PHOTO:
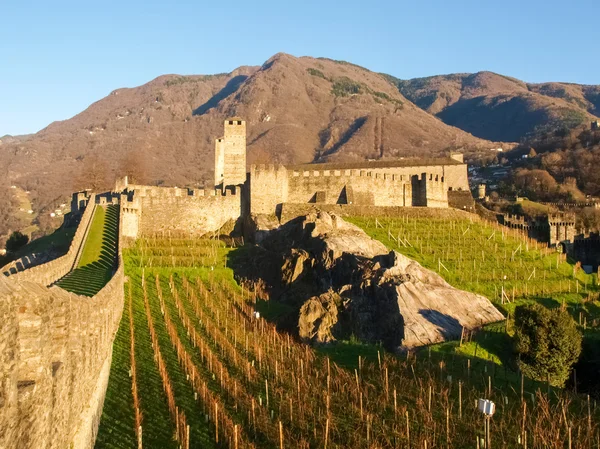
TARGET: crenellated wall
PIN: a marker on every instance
(196, 212)
(361, 187)
(56, 355)
(270, 186)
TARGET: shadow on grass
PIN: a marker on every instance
(89, 279)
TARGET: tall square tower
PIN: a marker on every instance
(230, 154)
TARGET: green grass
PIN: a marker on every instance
(533, 209)
(165, 257)
(480, 258)
(97, 263)
(117, 422)
(346, 353)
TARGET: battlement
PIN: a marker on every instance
(561, 219)
(348, 173)
(234, 122)
(187, 193)
(268, 171)
(431, 178)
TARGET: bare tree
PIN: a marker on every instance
(93, 175)
(133, 165)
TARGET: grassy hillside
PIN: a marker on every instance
(496, 262)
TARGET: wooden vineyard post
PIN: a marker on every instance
(361, 406)
(267, 392)
(326, 432)
(407, 429)
(460, 399)
(253, 418)
(589, 410)
(387, 386)
(235, 436)
(216, 423)
(429, 400)
(522, 382)
(280, 435)
(447, 427)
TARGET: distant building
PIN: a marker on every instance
(595, 125)
(481, 191)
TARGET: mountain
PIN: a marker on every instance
(297, 109)
(497, 107)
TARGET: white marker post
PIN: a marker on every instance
(488, 408)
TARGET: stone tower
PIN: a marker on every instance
(562, 228)
(230, 154)
(481, 191)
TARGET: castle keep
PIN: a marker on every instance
(266, 189)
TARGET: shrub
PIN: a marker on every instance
(16, 241)
(548, 343)
(344, 86)
(317, 73)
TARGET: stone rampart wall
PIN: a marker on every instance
(271, 186)
(433, 191)
(50, 272)
(194, 212)
(268, 187)
(56, 354)
(455, 176)
(56, 351)
(359, 187)
(461, 199)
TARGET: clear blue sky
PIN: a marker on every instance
(57, 57)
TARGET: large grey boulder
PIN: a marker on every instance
(342, 282)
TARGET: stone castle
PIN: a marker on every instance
(57, 346)
(268, 190)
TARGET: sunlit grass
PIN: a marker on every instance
(99, 254)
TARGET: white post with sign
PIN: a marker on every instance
(488, 408)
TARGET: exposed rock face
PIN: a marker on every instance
(318, 317)
(432, 310)
(344, 283)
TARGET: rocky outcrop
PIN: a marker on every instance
(342, 283)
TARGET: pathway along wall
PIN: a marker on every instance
(56, 350)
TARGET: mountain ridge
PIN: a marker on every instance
(498, 107)
(298, 110)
